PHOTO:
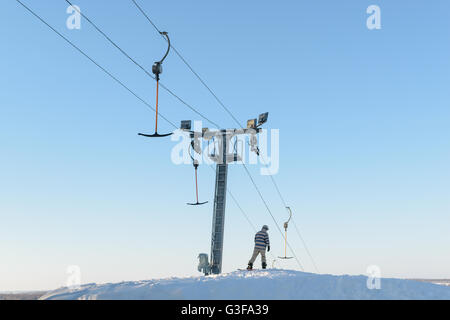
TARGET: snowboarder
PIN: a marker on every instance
(261, 241)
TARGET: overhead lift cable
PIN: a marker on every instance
(94, 62)
(140, 65)
(139, 98)
(188, 65)
(224, 107)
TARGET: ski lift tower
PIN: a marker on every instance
(222, 159)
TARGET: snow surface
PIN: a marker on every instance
(257, 284)
(442, 283)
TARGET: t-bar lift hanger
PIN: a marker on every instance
(157, 70)
(285, 234)
(194, 145)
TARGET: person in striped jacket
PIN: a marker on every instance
(261, 242)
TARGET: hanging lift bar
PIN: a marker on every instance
(285, 234)
(195, 164)
(196, 187)
(157, 70)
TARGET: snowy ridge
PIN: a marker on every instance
(257, 284)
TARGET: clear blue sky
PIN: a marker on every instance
(364, 132)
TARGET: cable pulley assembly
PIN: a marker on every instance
(157, 70)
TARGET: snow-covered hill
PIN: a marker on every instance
(258, 284)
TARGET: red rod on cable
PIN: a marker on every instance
(157, 70)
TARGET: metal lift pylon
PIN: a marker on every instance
(220, 197)
(222, 159)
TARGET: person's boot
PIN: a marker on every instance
(250, 266)
(264, 265)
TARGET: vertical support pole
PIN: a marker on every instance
(285, 242)
(218, 222)
(156, 117)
